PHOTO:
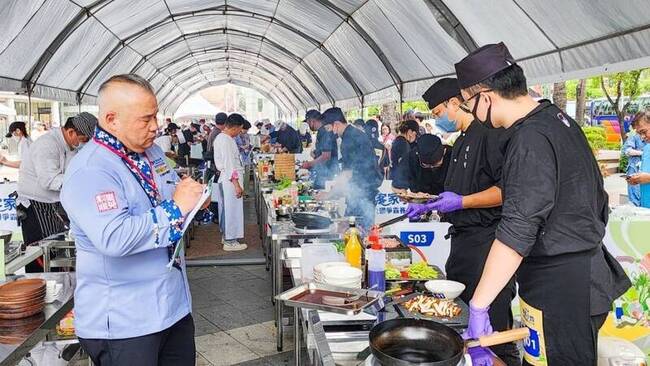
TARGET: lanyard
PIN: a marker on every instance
(134, 167)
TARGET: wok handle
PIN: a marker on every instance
(500, 337)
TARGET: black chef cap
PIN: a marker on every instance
(332, 115)
(430, 149)
(18, 125)
(172, 126)
(483, 63)
(441, 91)
(312, 113)
(371, 127)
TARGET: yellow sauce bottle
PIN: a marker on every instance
(353, 248)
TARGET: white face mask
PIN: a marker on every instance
(15, 138)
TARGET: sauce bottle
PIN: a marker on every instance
(376, 263)
(353, 248)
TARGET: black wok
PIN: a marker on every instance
(408, 342)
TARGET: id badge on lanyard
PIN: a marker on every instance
(534, 346)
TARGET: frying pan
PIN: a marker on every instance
(408, 342)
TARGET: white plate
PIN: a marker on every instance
(342, 273)
(322, 266)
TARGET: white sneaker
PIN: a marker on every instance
(233, 246)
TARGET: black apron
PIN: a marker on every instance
(555, 305)
(470, 247)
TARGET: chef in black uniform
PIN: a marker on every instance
(553, 218)
(325, 163)
(471, 203)
(360, 174)
(399, 153)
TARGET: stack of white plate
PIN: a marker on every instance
(342, 276)
(318, 269)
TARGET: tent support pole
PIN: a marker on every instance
(29, 108)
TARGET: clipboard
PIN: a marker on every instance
(207, 192)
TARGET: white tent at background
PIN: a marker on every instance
(195, 106)
(305, 53)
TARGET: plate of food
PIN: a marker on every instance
(415, 197)
(423, 306)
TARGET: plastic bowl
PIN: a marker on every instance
(445, 289)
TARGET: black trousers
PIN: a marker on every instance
(173, 346)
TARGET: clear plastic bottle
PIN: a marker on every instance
(376, 257)
(353, 249)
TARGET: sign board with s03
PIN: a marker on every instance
(417, 238)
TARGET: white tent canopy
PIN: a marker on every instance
(196, 105)
(305, 53)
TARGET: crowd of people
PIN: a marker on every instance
(514, 177)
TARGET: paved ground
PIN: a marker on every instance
(232, 308)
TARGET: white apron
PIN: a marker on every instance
(231, 211)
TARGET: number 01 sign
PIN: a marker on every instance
(417, 238)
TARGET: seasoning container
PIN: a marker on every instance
(376, 256)
(353, 249)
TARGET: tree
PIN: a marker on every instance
(559, 95)
(617, 85)
(581, 100)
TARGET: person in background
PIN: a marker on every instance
(18, 132)
(287, 138)
(428, 128)
(428, 162)
(38, 130)
(359, 123)
(641, 178)
(227, 161)
(132, 300)
(419, 118)
(165, 142)
(386, 139)
(325, 163)
(41, 177)
(399, 152)
(371, 128)
(219, 123)
(244, 145)
(305, 135)
(553, 220)
(360, 177)
(633, 149)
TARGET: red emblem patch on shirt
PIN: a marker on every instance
(106, 201)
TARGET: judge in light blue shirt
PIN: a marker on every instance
(126, 215)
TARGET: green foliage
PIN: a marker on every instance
(612, 145)
(373, 110)
(419, 105)
(596, 137)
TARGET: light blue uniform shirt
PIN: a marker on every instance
(645, 168)
(124, 288)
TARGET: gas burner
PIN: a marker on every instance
(371, 361)
(312, 231)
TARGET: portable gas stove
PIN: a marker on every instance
(12, 251)
(371, 361)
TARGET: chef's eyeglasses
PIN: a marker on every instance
(465, 103)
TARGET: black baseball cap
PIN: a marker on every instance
(172, 126)
(220, 118)
(483, 63)
(312, 113)
(332, 115)
(441, 91)
(15, 126)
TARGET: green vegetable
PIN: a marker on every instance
(340, 246)
(421, 271)
(283, 184)
(392, 273)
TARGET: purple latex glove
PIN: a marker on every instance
(478, 323)
(448, 202)
(481, 356)
(415, 210)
